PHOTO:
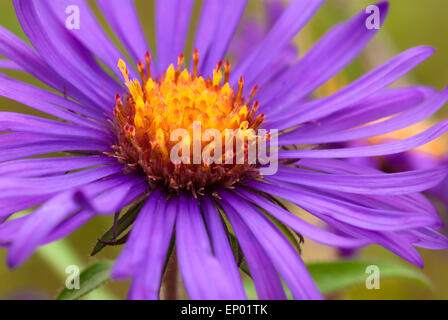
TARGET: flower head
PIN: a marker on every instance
(156, 109)
(118, 147)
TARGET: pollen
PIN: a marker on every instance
(155, 107)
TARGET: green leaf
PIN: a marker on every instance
(238, 254)
(169, 253)
(60, 254)
(293, 237)
(123, 223)
(338, 275)
(90, 278)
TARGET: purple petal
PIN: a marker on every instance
(230, 15)
(205, 33)
(202, 274)
(16, 204)
(41, 222)
(116, 199)
(10, 186)
(345, 211)
(331, 54)
(381, 184)
(371, 151)
(68, 226)
(90, 34)
(9, 65)
(146, 283)
(429, 239)
(295, 16)
(9, 229)
(122, 16)
(222, 248)
(410, 203)
(48, 102)
(251, 34)
(403, 120)
(18, 122)
(19, 52)
(135, 250)
(20, 145)
(58, 47)
(51, 166)
(396, 243)
(368, 84)
(172, 23)
(266, 278)
(282, 253)
(304, 228)
(380, 105)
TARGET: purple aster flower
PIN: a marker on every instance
(116, 143)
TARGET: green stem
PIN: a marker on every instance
(171, 280)
(59, 255)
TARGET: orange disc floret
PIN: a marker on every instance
(155, 107)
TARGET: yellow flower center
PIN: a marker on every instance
(154, 108)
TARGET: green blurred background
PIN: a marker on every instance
(410, 23)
